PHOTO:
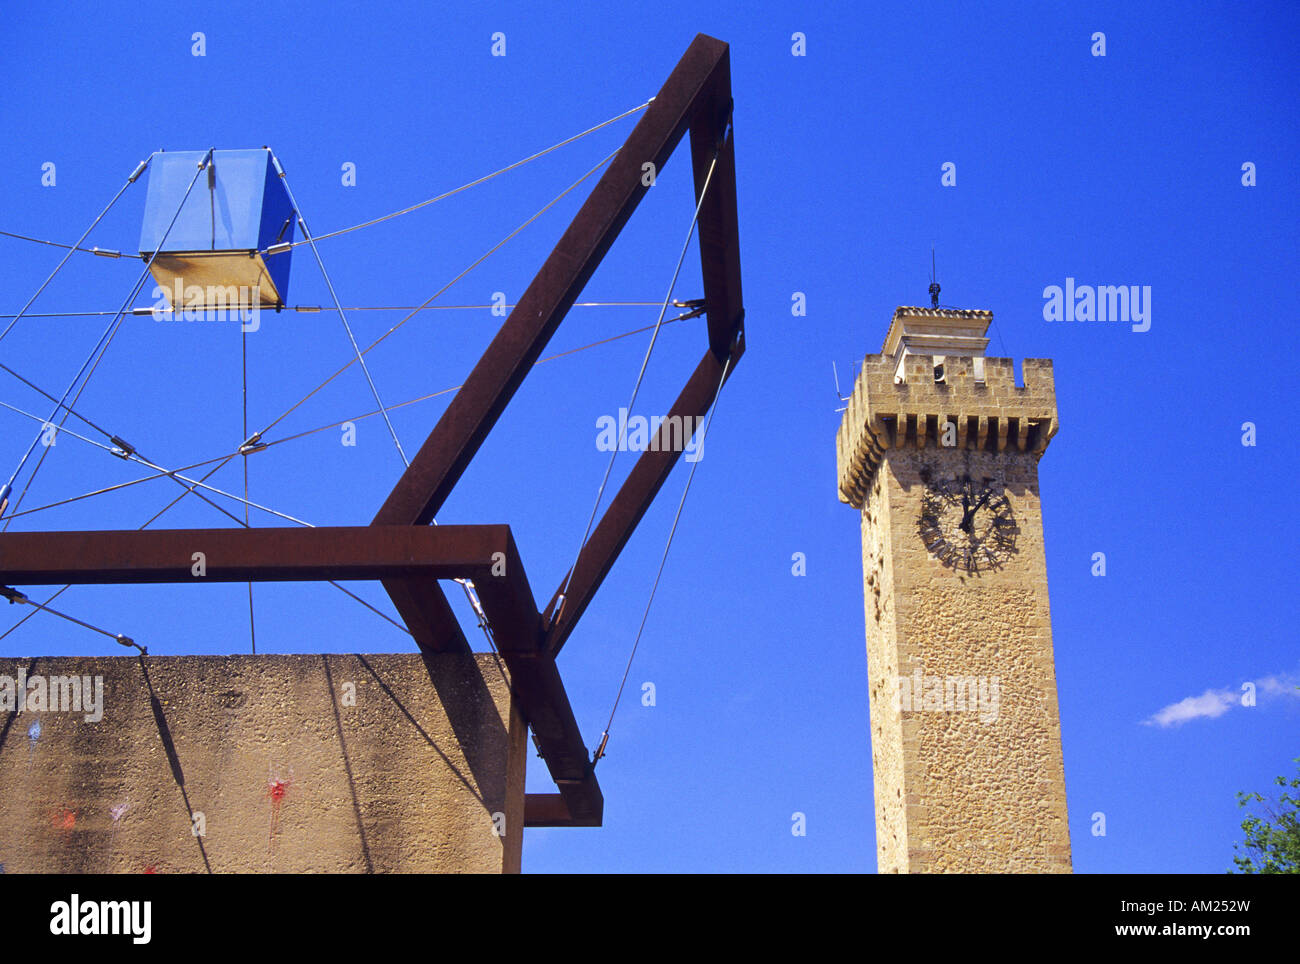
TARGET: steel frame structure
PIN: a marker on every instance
(400, 548)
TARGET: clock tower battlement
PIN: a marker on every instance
(932, 387)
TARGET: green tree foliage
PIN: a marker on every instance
(1272, 843)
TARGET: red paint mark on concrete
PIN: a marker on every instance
(63, 822)
(151, 869)
(276, 789)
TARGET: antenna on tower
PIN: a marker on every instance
(853, 371)
(934, 285)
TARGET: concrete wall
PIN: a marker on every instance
(287, 764)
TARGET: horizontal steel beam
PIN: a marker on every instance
(550, 810)
(259, 555)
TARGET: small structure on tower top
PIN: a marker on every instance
(937, 333)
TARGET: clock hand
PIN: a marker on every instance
(968, 512)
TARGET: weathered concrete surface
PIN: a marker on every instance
(287, 764)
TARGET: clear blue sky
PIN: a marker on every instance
(1118, 170)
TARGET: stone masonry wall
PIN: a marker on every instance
(957, 790)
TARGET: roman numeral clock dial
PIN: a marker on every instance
(967, 524)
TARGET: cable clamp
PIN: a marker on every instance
(13, 595)
(557, 611)
(128, 642)
(696, 303)
(253, 444)
(724, 129)
(284, 227)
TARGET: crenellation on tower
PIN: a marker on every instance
(999, 376)
(886, 412)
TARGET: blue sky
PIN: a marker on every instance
(1122, 169)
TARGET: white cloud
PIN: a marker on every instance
(1214, 703)
(1279, 686)
(1210, 704)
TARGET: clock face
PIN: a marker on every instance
(967, 524)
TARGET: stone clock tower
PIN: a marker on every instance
(939, 451)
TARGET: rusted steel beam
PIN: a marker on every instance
(427, 614)
(439, 464)
(630, 504)
(259, 555)
(504, 591)
(408, 559)
(719, 227)
(536, 683)
(507, 599)
(550, 810)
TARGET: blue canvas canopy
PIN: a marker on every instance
(221, 236)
